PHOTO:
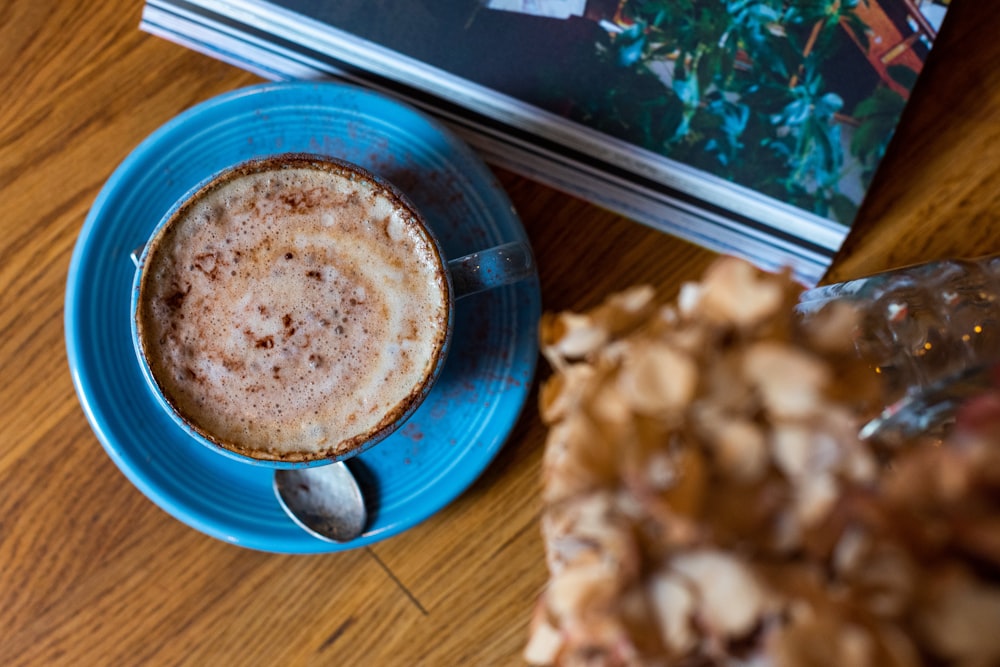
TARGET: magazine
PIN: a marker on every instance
(751, 127)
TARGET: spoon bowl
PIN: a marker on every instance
(325, 501)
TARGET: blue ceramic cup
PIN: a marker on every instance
(487, 269)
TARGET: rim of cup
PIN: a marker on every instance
(398, 415)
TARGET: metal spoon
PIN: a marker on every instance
(325, 501)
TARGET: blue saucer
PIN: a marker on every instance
(451, 438)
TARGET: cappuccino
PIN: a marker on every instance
(293, 309)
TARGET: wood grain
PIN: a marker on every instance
(93, 573)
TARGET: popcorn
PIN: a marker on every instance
(708, 501)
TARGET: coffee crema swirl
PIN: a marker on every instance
(293, 313)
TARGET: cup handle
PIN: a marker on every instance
(495, 267)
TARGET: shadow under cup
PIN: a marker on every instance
(306, 200)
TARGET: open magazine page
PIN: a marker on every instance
(749, 126)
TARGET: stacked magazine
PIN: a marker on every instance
(751, 127)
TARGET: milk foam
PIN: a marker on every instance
(292, 313)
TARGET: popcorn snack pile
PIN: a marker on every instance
(708, 501)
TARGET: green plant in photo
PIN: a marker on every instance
(735, 87)
(877, 116)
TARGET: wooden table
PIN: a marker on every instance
(92, 573)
